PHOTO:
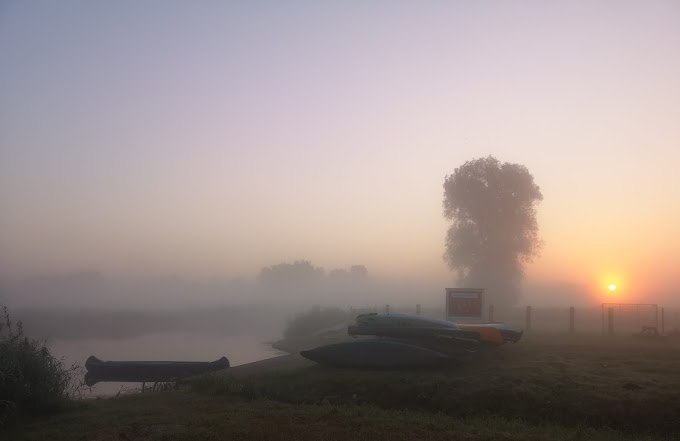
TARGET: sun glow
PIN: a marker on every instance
(610, 285)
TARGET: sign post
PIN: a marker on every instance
(464, 304)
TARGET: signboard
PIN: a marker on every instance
(464, 303)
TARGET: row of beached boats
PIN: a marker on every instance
(410, 341)
(382, 341)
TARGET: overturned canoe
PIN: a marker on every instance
(378, 354)
(414, 332)
(415, 326)
(140, 371)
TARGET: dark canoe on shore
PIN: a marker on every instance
(147, 371)
(378, 354)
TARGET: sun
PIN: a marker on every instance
(611, 286)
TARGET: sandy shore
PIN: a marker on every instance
(288, 361)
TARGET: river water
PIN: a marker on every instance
(172, 346)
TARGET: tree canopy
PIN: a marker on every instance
(300, 271)
(304, 272)
(494, 232)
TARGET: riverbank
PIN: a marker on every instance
(547, 388)
(269, 365)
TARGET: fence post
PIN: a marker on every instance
(418, 309)
(572, 314)
(527, 326)
(657, 318)
(610, 320)
(490, 313)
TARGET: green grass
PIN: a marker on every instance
(575, 381)
(192, 416)
(565, 388)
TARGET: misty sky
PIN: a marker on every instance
(210, 139)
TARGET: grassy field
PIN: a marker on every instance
(559, 388)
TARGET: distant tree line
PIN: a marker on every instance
(303, 271)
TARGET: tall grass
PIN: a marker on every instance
(316, 319)
(32, 380)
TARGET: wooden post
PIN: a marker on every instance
(387, 308)
(490, 313)
(657, 319)
(418, 309)
(572, 315)
(610, 320)
(527, 326)
(663, 321)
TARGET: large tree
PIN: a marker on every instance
(494, 232)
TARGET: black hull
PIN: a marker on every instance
(414, 332)
(147, 371)
(378, 354)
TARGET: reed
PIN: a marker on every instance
(32, 380)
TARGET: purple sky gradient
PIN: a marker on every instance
(214, 138)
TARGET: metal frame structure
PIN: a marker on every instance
(610, 307)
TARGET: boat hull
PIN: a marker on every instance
(378, 354)
(414, 332)
(414, 326)
(147, 371)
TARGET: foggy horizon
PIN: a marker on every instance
(205, 142)
(89, 289)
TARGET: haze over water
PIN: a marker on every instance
(162, 143)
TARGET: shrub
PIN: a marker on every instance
(32, 380)
(315, 320)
